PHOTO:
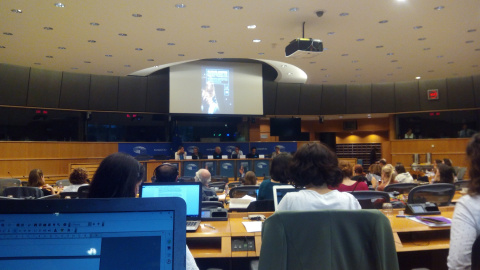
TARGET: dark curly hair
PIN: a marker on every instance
(473, 154)
(79, 176)
(279, 168)
(446, 173)
(315, 164)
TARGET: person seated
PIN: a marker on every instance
(277, 151)
(78, 178)
(237, 153)
(203, 176)
(388, 177)
(374, 175)
(180, 154)
(466, 217)
(218, 153)
(402, 175)
(449, 163)
(253, 153)
(358, 174)
(315, 167)
(36, 179)
(250, 179)
(465, 132)
(444, 174)
(280, 176)
(409, 134)
(119, 176)
(382, 162)
(347, 183)
(165, 173)
(196, 154)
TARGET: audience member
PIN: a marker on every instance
(180, 154)
(36, 179)
(409, 134)
(78, 178)
(466, 217)
(315, 167)
(402, 175)
(280, 176)
(237, 153)
(347, 183)
(217, 154)
(382, 162)
(277, 151)
(444, 174)
(196, 154)
(119, 176)
(449, 163)
(359, 175)
(204, 176)
(253, 153)
(165, 173)
(374, 175)
(388, 177)
(250, 179)
(465, 132)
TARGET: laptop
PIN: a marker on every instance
(119, 233)
(280, 191)
(191, 193)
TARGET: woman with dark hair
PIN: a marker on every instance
(444, 174)
(36, 179)
(78, 178)
(280, 176)
(466, 217)
(348, 184)
(374, 175)
(315, 167)
(120, 175)
(402, 175)
(250, 179)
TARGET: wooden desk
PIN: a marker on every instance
(457, 196)
(211, 243)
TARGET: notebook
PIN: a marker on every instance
(280, 191)
(120, 233)
(191, 193)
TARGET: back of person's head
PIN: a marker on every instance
(250, 179)
(473, 154)
(400, 168)
(78, 176)
(203, 176)
(315, 164)
(118, 175)
(35, 178)
(375, 169)
(279, 170)
(382, 162)
(446, 173)
(438, 161)
(388, 172)
(358, 169)
(165, 173)
(346, 168)
(447, 162)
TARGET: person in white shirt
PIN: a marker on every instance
(466, 217)
(78, 178)
(315, 167)
(403, 176)
(180, 154)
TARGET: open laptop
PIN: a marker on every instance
(280, 191)
(191, 193)
(120, 233)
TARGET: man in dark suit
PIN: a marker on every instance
(218, 153)
(253, 153)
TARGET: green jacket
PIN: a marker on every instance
(328, 239)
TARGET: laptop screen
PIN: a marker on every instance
(72, 236)
(191, 193)
(280, 191)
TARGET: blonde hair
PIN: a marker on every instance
(250, 179)
(389, 171)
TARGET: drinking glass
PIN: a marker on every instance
(387, 209)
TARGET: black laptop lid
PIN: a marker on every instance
(123, 233)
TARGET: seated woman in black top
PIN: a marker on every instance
(36, 179)
(280, 176)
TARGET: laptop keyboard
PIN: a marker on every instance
(191, 223)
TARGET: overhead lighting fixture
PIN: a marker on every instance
(293, 9)
(60, 5)
(237, 7)
(418, 78)
(256, 40)
(16, 10)
(439, 8)
(180, 6)
(253, 26)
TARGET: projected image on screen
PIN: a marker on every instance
(217, 92)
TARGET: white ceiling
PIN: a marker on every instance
(451, 47)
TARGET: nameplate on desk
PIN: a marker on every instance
(243, 156)
(224, 157)
(261, 156)
(188, 157)
(210, 156)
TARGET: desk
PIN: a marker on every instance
(457, 196)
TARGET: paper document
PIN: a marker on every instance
(236, 203)
(253, 226)
(432, 221)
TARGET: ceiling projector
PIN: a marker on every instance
(304, 48)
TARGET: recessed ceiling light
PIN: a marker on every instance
(16, 10)
(109, 71)
(426, 49)
(136, 15)
(108, 55)
(87, 62)
(171, 44)
(417, 27)
(59, 5)
(92, 41)
(138, 49)
(293, 9)
(451, 62)
(47, 28)
(237, 7)
(74, 68)
(256, 40)
(38, 64)
(469, 41)
(212, 41)
(379, 46)
(205, 26)
(49, 56)
(180, 6)
(471, 30)
(331, 33)
(126, 65)
(390, 53)
(161, 29)
(253, 26)
(94, 24)
(421, 39)
(360, 39)
(344, 14)
(2, 47)
(62, 48)
(439, 8)
(261, 53)
(418, 78)
(345, 54)
(220, 52)
(394, 61)
(383, 21)
(122, 34)
(355, 61)
(150, 60)
(181, 54)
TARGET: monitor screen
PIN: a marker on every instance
(280, 191)
(285, 127)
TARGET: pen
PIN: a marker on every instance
(403, 216)
(209, 226)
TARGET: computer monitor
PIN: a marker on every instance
(120, 233)
(280, 191)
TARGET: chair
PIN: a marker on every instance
(83, 191)
(462, 184)
(49, 197)
(4, 183)
(261, 206)
(476, 254)
(220, 186)
(64, 183)
(371, 199)
(23, 192)
(211, 204)
(234, 184)
(440, 193)
(24, 183)
(461, 172)
(239, 192)
(402, 188)
(72, 195)
(217, 178)
(328, 239)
